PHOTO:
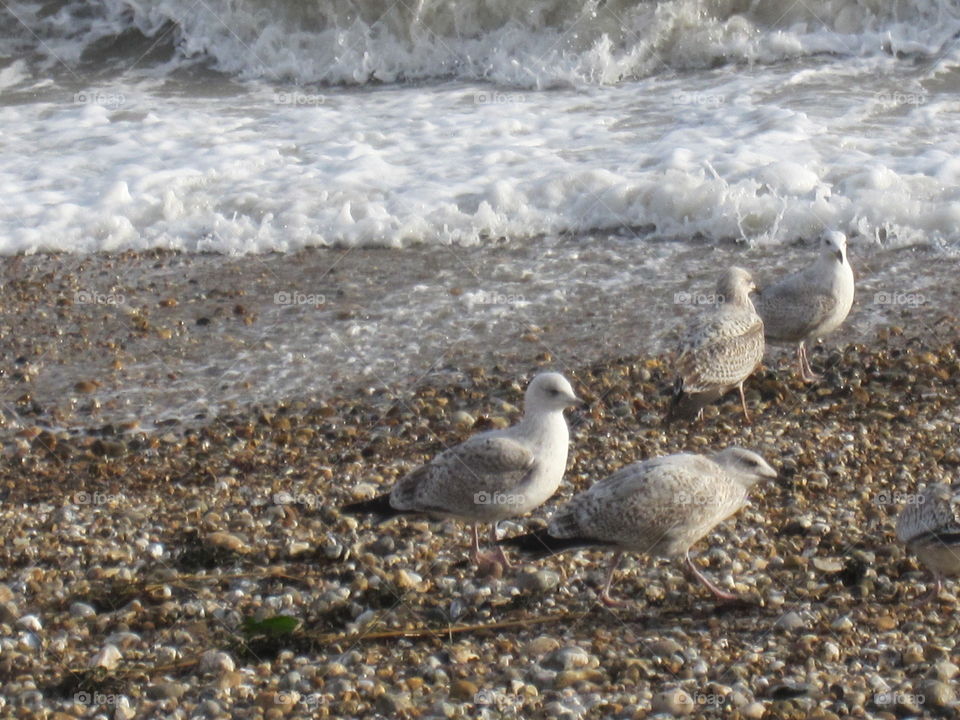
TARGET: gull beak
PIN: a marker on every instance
(839, 254)
(576, 402)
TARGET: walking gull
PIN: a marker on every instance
(810, 303)
(720, 350)
(930, 529)
(493, 475)
(659, 507)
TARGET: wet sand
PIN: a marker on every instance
(158, 338)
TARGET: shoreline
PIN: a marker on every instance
(150, 339)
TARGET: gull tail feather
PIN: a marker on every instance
(542, 544)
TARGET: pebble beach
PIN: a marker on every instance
(202, 568)
(261, 260)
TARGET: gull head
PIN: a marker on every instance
(745, 465)
(833, 245)
(550, 391)
(735, 285)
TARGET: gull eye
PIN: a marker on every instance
(554, 391)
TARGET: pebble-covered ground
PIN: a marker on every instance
(148, 574)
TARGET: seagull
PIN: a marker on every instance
(658, 507)
(810, 303)
(720, 350)
(930, 528)
(493, 475)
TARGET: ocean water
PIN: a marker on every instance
(245, 126)
(501, 170)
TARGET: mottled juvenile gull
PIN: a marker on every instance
(659, 507)
(493, 475)
(720, 350)
(810, 303)
(929, 527)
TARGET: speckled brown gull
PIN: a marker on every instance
(658, 507)
(929, 527)
(720, 349)
(494, 475)
(810, 303)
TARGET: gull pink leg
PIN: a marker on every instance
(605, 595)
(806, 372)
(743, 403)
(931, 594)
(501, 556)
(488, 562)
(723, 595)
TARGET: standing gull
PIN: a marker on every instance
(931, 530)
(494, 475)
(810, 303)
(720, 350)
(659, 507)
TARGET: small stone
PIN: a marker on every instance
(913, 654)
(753, 711)
(108, 657)
(391, 704)
(567, 658)
(885, 622)
(108, 448)
(216, 662)
(541, 678)
(82, 610)
(166, 690)
(842, 624)
(791, 621)
(463, 419)
(463, 690)
(906, 704)
(298, 547)
(277, 703)
(539, 581)
(31, 623)
(406, 580)
(167, 655)
(335, 669)
(541, 646)
(227, 541)
(383, 545)
(445, 709)
(122, 709)
(210, 708)
(230, 681)
(830, 651)
(674, 702)
(664, 647)
(572, 678)
(6, 594)
(828, 565)
(938, 694)
(9, 612)
(945, 670)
